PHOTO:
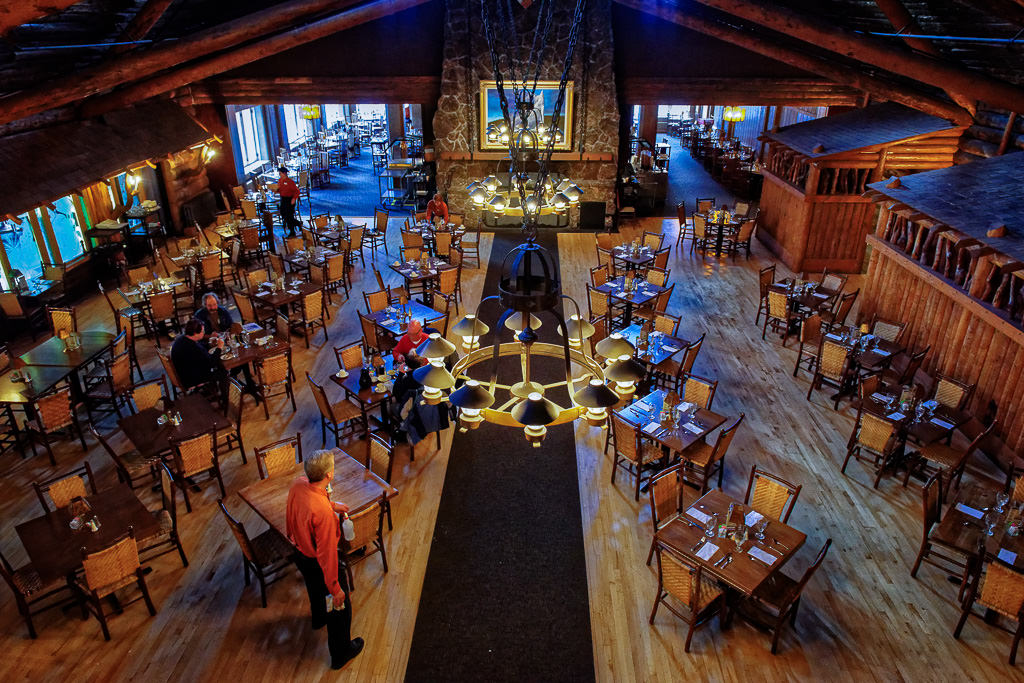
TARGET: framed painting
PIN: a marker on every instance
(544, 102)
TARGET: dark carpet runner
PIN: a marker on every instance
(505, 592)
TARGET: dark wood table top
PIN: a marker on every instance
(44, 378)
(140, 293)
(685, 536)
(293, 292)
(389, 320)
(52, 352)
(301, 259)
(872, 354)
(646, 411)
(413, 273)
(369, 396)
(659, 347)
(153, 439)
(242, 355)
(55, 549)
(811, 298)
(642, 293)
(625, 254)
(353, 485)
(943, 420)
(963, 525)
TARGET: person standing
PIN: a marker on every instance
(313, 527)
(289, 193)
(436, 207)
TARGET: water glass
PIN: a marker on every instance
(712, 526)
(1001, 499)
(740, 537)
(989, 521)
(759, 528)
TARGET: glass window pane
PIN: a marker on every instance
(64, 220)
(20, 245)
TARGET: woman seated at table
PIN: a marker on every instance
(412, 338)
(197, 361)
(215, 318)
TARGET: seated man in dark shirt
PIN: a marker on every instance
(195, 362)
(215, 318)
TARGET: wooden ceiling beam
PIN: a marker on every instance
(801, 60)
(141, 24)
(14, 13)
(194, 72)
(879, 53)
(143, 63)
(1010, 10)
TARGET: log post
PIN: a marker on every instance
(140, 25)
(13, 14)
(1007, 133)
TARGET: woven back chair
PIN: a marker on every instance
(312, 308)
(666, 499)
(139, 275)
(630, 451)
(698, 390)
(838, 315)
(254, 278)
(377, 301)
(666, 324)
(704, 460)
(62, 489)
(442, 244)
(210, 268)
(246, 310)
(195, 456)
(951, 461)
(608, 240)
(411, 254)
(309, 237)
(810, 340)
(32, 596)
(887, 330)
(268, 555)
(999, 588)
(606, 257)
(657, 276)
(777, 315)
(832, 367)
(700, 596)
(276, 264)
(771, 495)
(171, 374)
(700, 234)
(163, 310)
(280, 457)
(62, 320)
(350, 356)
(114, 387)
(368, 524)
(249, 209)
(705, 204)
(166, 539)
(684, 230)
(598, 275)
(411, 239)
(54, 412)
(597, 304)
(274, 378)
(341, 417)
(690, 356)
(661, 258)
(661, 303)
(146, 395)
(294, 244)
(108, 570)
(371, 340)
(872, 442)
(951, 393)
(765, 279)
(936, 549)
(833, 283)
(652, 240)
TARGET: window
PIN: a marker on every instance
(117, 190)
(334, 113)
(66, 227)
(294, 124)
(19, 242)
(249, 126)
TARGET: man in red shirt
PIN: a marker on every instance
(436, 207)
(412, 338)
(289, 192)
(313, 526)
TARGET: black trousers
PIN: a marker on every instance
(339, 622)
(288, 216)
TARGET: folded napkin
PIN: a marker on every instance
(881, 398)
(834, 337)
(293, 291)
(251, 327)
(266, 284)
(263, 293)
(389, 321)
(969, 511)
(1006, 556)
(753, 517)
(698, 515)
(707, 551)
(882, 352)
(670, 348)
(895, 416)
(759, 554)
(942, 423)
(652, 428)
(692, 428)
(643, 405)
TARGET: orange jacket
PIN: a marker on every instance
(314, 528)
(286, 187)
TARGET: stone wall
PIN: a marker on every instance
(467, 61)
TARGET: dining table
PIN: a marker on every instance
(717, 225)
(378, 394)
(24, 386)
(353, 484)
(391, 320)
(233, 229)
(428, 231)
(54, 353)
(633, 259)
(743, 567)
(802, 296)
(153, 439)
(305, 259)
(55, 549)
(639, 293)
(192, 255)
(660, 347)
(418, 277)
(293, 291)
(673, 437)
(963, 525)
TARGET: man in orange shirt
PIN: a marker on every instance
(436, 207)
(289, 192)
(313, 526)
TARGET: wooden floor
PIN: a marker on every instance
(862, 617)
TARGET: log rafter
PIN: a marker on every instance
(18, 12)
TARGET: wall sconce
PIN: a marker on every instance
(209, 152)
(133, 181)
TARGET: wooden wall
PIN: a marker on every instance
(835, 233)
(782, 219)
(969, 341)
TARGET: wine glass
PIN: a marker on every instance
(989, 521)
(759, 528)
(712, 526)
(1001, 499)
(740, 537)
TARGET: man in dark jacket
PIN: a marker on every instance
(195, 362)
(215, 318)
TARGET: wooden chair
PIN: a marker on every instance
(697, 390)
(274, 378)
(999, 588)
(630, 451)
(137, 276)
(124, 314)
(887, 330)
(652, 240)
(936, 549)
(699, 240)
(832, 283)
(951, 393)
(837, 316)
(661, 258)
(778, 315)
(598, 275)
(665, 493)
(380, 459)
(355, 246)
(672, 372)
(54, 413)
(656, 276)
(280, 457)
(777, 599)
(667, 324)
(377, 301)
(373, 341)
(686, 583)
(31, 595)
(705, 204)
(194, 456)
(114, 388)
(368, 540)
(377, 237)
(684, 230)
(268, 555)
(470, 245)
(349, 356)
(597, 304)
(63, 321)
(311, 306)
(14, 310)
(608, 240)
(231, 438)
(131, 467)
(766, 278)
(703, 460)
(742, 238)
(340, 417)
(810, 342)
(771, 495)
(938, 457)
(108, 570)
(333, 276)
(166, 539)
(606, 257)
(411, 239)
(163, 314)
(448, 286)
(832, 367)
(293, 244)
(65, 487)
(873, 442)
